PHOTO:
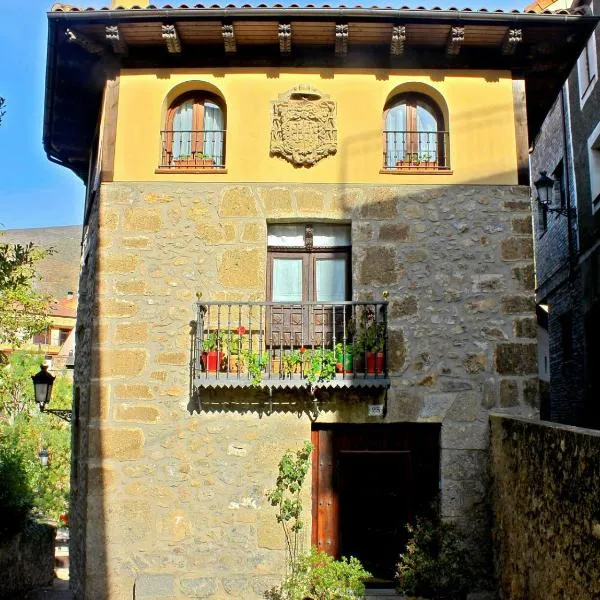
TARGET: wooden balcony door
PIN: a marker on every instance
(368, 481)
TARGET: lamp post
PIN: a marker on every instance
(545, 189)
(42, 385)
(43, 455)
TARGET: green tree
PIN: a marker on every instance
(22, 309)
(26, 431)
(2, 111)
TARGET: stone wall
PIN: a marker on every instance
(175, 498)
(547, 522)
(27, 560)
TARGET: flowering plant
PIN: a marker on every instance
(235, 340)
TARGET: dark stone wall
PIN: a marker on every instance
(27, 560)
(546, 509)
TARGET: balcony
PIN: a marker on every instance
(277, 345)
(415, 151)
(192, 150)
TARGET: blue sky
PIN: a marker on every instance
(33, 191)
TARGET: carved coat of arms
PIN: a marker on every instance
(303, 128)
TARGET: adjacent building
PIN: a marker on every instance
(300, 224)
(567, 240)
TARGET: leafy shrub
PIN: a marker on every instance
(319, 576)
(436, 563)
(16, 497)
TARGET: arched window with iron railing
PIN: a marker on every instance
(415, 136)
(194, 134)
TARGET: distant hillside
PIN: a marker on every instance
(59, 272)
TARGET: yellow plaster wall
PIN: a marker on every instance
(481, 124)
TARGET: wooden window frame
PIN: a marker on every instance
(411, 99)
(198, 98)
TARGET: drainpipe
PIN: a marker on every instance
(566, 167)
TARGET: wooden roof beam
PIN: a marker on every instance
(513, 38)
(229, 40)
(171, 37)
(88, 45)
(285, 38)
(455, 40)
(398, 40)
(114, 37)
(341, 39)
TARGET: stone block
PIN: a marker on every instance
(531, 392)
(435, 406)
(522, 225)
(121, 444)
(525, 277)
(404, 307)
(236, 586)
(394, 232)
(517, 205)
(509, 393)
(132, 287)
(242, 268)
(309, 201)
(118, 263)
(276, 201)
(238, 202)
(516, 359)
(131, 333)
(516, 248)
(108, 219)
(459, 435)
(396, 350)
(511, 305)
(380, 203)
(475, 363)
(220, 233)
(109, 307)
(487, 282)
(254, 233)
(493, 333)
(99, 400)
(172, 358)
(136, 242)
(464, 464)
(198, 587)
(465, 407)
(142, 219)
(489, 396)
(458, 497)
(379, 266)
(141, 414)
(362, 232)
(268, 531)
(154, 585)
(133, 391)
(121, 363)
(526, 328)
(100, 479)
(154, 198)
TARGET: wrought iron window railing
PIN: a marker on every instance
(415, 150)
(192, 149)
(273, 344)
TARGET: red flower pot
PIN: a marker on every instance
(375, 362)
(211, 361)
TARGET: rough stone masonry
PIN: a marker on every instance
(169, 502)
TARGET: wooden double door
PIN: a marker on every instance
(368, 482)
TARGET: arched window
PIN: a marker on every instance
(414, 135)
(194, 137)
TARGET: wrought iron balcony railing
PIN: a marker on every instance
(415, 150)
(279, 345)
(192, 149)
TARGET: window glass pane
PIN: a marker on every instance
(327, 236)
(331, 280)
(212, 146)
(427, 126)
(286, 235)
(287, 280)
(182, 127)
(395, 136)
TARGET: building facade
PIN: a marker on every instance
(293, 233)
(567, 242)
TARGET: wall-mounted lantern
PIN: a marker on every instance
(545, 191)
(42, 385)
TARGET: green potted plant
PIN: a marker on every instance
(372, 342)
(195, 159)
(292, 363)
(257, 362)
(235, 346)
(344, 356)
(212, 351)
(320, 366)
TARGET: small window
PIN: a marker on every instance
(594, 167)
(194, 136)
(587, 69)
(414, 135)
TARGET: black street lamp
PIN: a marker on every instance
(545, 190)
(44, 455)
(42, 385)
